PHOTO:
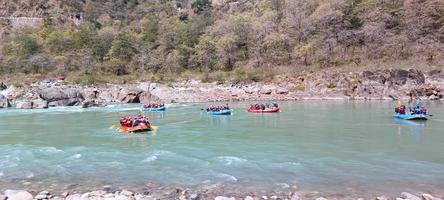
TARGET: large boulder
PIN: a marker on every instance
(399, 76)
(417, 76)
(61, 96)
(24, 104)
(39, 103)
(4, 102)
(18, 195)
(93, 103)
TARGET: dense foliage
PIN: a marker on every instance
(163, 36)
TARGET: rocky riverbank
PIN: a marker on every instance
(366, 85)
(216, 193)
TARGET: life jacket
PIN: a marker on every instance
(424, 110)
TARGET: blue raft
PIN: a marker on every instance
(154, 109)
(409, 116)
(220, 112)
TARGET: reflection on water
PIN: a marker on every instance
(415, 129)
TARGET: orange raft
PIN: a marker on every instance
(266, 110)
(139, 128)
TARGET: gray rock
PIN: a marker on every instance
(224, 198)
(127, 193)
(41, 196)
(60, 93)
(18, 195)
(98, 192)
(399, 76)
(65, 194)
(406, 195)
(266, 91)
(194, 196)
(39, 103)
(123, 197)
(4, 102)
(426, 196)
(417, 76)
(24, 104)
(86, 197)
(282, 91)
(295, 196)
(74, 197)
(44, 192)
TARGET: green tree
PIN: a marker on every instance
(123, 46)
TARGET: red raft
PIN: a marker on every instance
(266, 110)
(142, 127)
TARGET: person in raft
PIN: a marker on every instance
(263, 106)
(153, 105)
(212, 108)
(130, 122)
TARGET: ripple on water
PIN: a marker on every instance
(226, 177)
(229, 160)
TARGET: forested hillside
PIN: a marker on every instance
(122, 37)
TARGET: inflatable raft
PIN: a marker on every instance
(135, 129)
(409, 116)
(267, 110)
(162, 108)
(220, 112)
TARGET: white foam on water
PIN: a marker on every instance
(156, 154)
(228, 160)
(116, 164)
(227, 177)
(150, 159)
(292, 163)
(50, 149)
(76, 156)
(283, 185)
(30, 175)
(2, 174)
(163, 152)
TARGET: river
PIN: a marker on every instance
(329, 146)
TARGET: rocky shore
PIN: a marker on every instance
(366, 85)
(107, 193)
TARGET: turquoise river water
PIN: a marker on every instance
(327, 146)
